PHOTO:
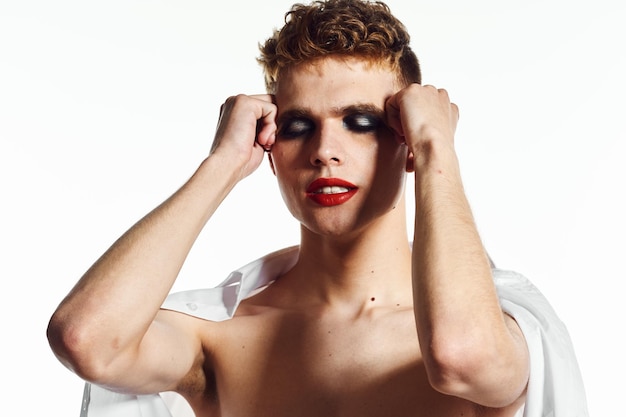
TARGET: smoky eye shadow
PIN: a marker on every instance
(294, 127)
(362, 122)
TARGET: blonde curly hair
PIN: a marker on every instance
(359, 28)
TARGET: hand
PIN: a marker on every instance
(246, 128)
(422, 116)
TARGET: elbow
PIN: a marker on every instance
(75, 347)
(450, 366)
(473, 370)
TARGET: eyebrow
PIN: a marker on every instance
(367, 108)
(358, 108)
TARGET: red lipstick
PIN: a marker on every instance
(330, 191)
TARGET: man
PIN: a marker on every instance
(356, 321)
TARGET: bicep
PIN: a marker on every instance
(170, 350)
(520, 362)
(521, 348)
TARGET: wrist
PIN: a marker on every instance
(217, 173)
(434, 157)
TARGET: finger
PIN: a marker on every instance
(392, 112)
(455, 111)
(264, 97)
(266, 134)
(266, 123)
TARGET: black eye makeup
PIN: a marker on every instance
(362, 122)
(295, 127)
(358, 119)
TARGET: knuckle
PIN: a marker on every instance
(236, 100)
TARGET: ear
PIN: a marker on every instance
(410, 162)
(269, 158)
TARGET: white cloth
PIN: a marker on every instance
(555, 388)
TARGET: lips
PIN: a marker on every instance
(330, 191)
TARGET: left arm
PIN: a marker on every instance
(471, 349)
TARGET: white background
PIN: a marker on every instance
(107, 107)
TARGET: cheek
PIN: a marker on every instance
(283, 160)
(390, 172)
(284, 168)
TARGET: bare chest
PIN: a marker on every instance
(313, 368)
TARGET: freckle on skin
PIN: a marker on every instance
(373, 298)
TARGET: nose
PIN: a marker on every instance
(327, 147)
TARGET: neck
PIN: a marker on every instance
(371, 267)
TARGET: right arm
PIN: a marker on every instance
(109, 329)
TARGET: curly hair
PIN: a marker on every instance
(339, 27)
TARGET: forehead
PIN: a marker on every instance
(335, 82)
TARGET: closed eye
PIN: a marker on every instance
(362, 122)
(295, 127)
